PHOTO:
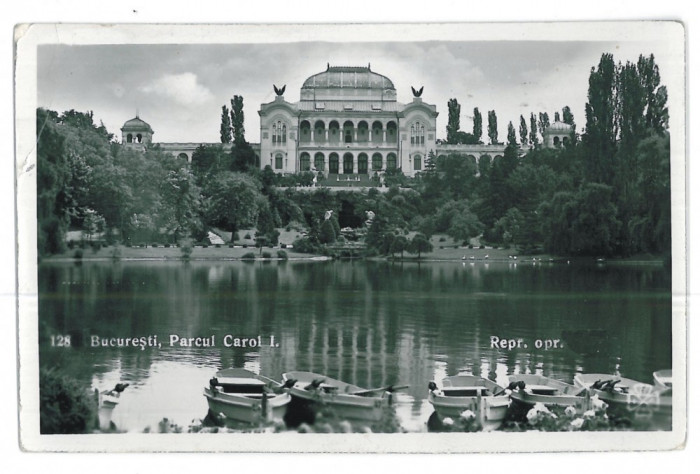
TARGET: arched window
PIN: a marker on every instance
(413, 135)
(274, 133)
(422, 135)
(333, 166)
(284, 134)
(183, 156)
(138, 138)
(305, 162)
(362, 163)
(129, 138)
(278, 161)
(391, 161)
(556, 141)
(376, 162)
(347, 163)
(319, 161)
(417, 163)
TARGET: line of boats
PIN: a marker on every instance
(244, 396)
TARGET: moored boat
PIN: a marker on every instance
(241, 395)
(663, 379)
(347, 401)
(616, 389)
(486, 399)
(529, 389)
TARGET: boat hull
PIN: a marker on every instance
(338, 397)
(247, 409)
(564, 394)
(490, 409)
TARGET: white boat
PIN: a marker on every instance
(529, 389)
(106, 401)
(346, 400)
(663, 379)
(488, 400)
(616, 389)
(241, 395)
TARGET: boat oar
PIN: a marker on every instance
(389, 388)
(520, 384)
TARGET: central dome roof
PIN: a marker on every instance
(136, 124)
(343, 77)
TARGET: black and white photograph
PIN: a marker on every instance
(354, 238)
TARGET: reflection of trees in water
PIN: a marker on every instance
(371, 324)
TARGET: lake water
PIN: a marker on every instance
(368, 323)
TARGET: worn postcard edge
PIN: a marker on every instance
(29, 36)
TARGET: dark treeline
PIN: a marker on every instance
(606, 193)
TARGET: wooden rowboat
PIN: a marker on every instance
(531, 389)
(241, 395)
(486, 399)
(346, 400)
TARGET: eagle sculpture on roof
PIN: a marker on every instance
(279, 91)
(417, 93)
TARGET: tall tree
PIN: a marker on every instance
(493, 127)
(557, 118)
(534, 140)
(655, 94)
(237, 120)
(523, 131)
(478, 129)
(543, 123)
(453, 111)
(567, 116)
(511, 135)
(600, 135)
(225, 131)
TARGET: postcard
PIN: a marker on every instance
(395, 238)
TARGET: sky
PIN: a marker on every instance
(179, 89)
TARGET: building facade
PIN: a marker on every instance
(347, 125)
(347, 122)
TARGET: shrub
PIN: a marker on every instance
(167, 246)
(230, 246)
(282, 254)
(218, 246)
(442, 239)
(247, 236)
(186, 249)
(96, 247)
(71, 244)
(482, 246)
(248, 256)
(65, 406)
(116, 252)
(471, 246)
(205, 246)
(78, 254)
(245, 246)
(266, 255)
(284, 246)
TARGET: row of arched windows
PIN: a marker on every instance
(348, 133)
(348, 162)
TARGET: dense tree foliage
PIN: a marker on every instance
(605, 194)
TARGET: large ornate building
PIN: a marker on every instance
(347, 121)
(348, 124)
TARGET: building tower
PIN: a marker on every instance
(136, 133)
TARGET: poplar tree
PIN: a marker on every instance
(237, 120)
(512, 141)
(478, 125)
(453, 111)
(225, 131)
(534, 140)
(493, 127)
(523, 131)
